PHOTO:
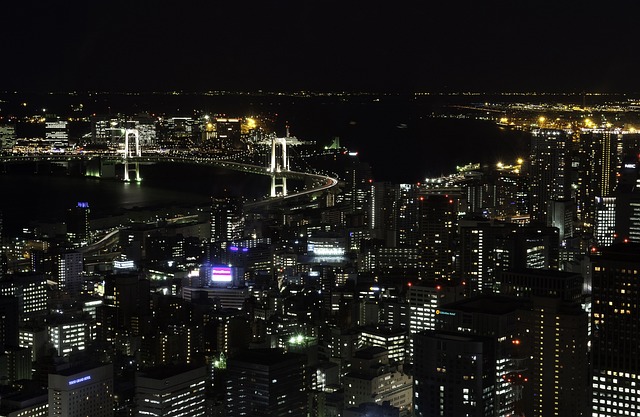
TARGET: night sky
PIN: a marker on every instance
(319, 45)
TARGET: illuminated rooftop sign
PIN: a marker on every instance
(221, 274)
(79, 380)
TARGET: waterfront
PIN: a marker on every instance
(403, 141)
(29, 197)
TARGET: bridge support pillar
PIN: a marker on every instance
(129, 152)
(278, 182)
(279, 163)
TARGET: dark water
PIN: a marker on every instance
(28, 197)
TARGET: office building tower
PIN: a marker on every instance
(548, 171)
(561, 214)
(125, 310)
(31, 291)
(227, 133)
(627, 202)
(7, 136)
(615, 344)
(57, 133)
(605, 157)
(488, 247)
(9, 321)
(394, 340)
(372, 379)
(437, 229)
(498, 319)
(77, 220)
(266, 382)
(384, 197)
(171, 391)
(70, 271)
(558, 339)
(604, 228)
(81, 391)
(424, 301)
(454, 375)
(69, 334)
(15, 364)
(226, 219)
(406, 216)
(497, 191)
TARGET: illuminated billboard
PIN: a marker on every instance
(221, 274)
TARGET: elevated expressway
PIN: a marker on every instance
(319, 183)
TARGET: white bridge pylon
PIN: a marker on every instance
(130, 152)
(279, 163)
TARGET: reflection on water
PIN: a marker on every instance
(29, 197)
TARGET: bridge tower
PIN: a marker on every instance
(131, 152)
(279, 163)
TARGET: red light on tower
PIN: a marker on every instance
(515, 341)
(409, 284)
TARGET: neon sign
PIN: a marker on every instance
(79, 380)
(221, 274)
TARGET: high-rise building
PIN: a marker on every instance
(424, 301)
(372, 379)
(548, 171)
(77, 219)
(437, 229)
(557, 339)
(383, 200)
(615, 344)
(394, 340)
(7, 136)
(9, 321)
(605, 156)
(226, 219)
(454, 375)
(70, 271)
(627, 203)
(488, 247)
(498, 319)
(57, 133)
(31, 291)
(126, 307)
(605, 221)
(68, 334)
(171, 391)
(82, 391)
(266, 382)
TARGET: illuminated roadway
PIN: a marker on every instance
(320, 182)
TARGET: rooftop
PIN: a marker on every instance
(486, 304)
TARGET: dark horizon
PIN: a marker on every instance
(329, 46)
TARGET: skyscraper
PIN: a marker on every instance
(266, 382)
(82, 391)
(70, 267)
(226, 219)
(556, 338)
(548, 170)
(455, 375)
(171, 391)
(615, 336)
